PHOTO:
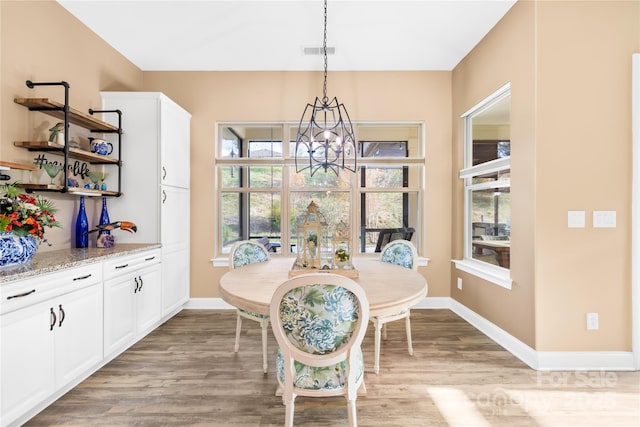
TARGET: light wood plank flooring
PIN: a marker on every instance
(185, 373)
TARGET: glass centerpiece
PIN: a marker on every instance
(342, 246)
(311, 238)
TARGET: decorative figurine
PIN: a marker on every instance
(56, 132)
(108, 240)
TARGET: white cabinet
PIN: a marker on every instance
(132, 299)
(51, 335)
(175, 144)
(175, 249)
(156, 155)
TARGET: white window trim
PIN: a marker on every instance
(287, 161)
(492, 273)
(486, 168)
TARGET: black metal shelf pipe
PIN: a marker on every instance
(65, 110)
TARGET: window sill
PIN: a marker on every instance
(496, 275)
(224, 261)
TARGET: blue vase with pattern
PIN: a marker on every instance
(16, 250)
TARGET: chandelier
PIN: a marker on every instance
(325, 135)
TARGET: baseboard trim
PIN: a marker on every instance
(538, 360)
(585, 361)
(208, 304)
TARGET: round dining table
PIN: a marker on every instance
(389, 288)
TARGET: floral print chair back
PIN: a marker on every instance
(400, 252)
(404, 254)
(319, 321)
(243, 253)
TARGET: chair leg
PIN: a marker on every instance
(265, 325)
(407, 323)
(238, 327)
(376, 353)
(288, 413)
(353, 414)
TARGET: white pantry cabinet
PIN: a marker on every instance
(132, 300)
(156, 176)
(51, 329)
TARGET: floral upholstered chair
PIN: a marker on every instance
(319, 321)
(243, 253)
(402, 253)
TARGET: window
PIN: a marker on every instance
(487, 188)
(261, 195)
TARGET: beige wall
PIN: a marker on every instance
(506, 54)
(569, 64)
(583, 113)
(281, 96)
(42, 42)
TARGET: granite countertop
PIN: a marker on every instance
(48, 262)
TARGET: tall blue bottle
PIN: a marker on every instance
(82, 227)
(104, 216)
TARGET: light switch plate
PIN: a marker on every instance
(576, 219)
(604, 219)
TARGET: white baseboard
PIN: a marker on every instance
(585, 361)
(538, 360)
(208, 304)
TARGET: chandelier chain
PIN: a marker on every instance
(325, 100)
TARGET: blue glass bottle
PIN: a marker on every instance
(104, 216)
(82, 227)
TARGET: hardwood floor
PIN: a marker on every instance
(185, 373)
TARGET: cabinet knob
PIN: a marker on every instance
(137, 285)
(164, 196)
(141, 283)
(164, 173)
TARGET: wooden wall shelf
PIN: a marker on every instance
(75, 153)
(76, 117)
(81, 191)
(19, 166)
(68, 116)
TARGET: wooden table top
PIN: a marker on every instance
(389, 288)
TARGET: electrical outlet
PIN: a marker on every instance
(592, 321)
(460, 283)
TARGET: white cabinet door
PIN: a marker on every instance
(78, 332)
(174, 211)
(175, 280)
(175, 144)
(132, 299)
(148, 298)
(27, 359)
(119, 313)
(175, 247)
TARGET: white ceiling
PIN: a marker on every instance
(243, 35)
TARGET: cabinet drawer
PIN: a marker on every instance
(125, 264)
(22, 293)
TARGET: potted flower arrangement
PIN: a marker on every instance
(342, 257)
(23, 219)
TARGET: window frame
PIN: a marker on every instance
(493, 273)
(354, 189)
